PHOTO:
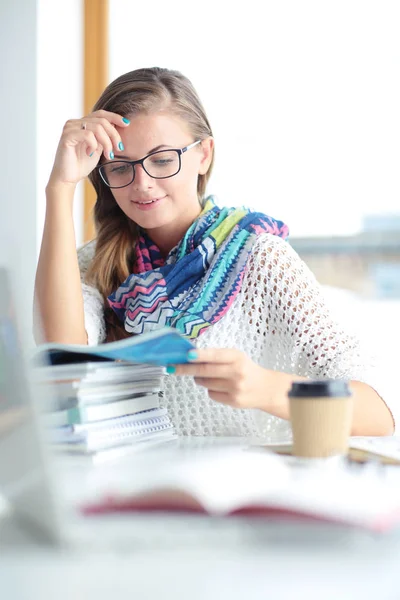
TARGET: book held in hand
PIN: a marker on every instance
(162, 347)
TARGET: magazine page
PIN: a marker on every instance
(162, 347)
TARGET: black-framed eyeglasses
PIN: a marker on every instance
(161, 164)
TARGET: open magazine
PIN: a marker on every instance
(162, 347)
(247, 482)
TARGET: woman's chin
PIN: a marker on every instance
(145, 214)
(150, 220)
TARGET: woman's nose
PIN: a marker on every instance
(142, 179)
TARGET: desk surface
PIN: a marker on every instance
(199, 557)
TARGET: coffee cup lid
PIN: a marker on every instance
(326, 388)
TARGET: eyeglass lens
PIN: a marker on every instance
(158, 165)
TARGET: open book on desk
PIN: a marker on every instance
(253, 482)
(162, 347)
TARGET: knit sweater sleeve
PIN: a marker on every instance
(92, 299)
(306, 339)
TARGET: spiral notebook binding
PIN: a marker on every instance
(147, 424)
(122, 434)
(144, 426)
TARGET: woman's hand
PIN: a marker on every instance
(230, 377)
(82, 143)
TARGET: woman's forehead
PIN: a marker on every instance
(147, 131)
(156, 123)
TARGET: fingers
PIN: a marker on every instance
(113, 118)
(102, 125)
(91, 143)
(221, 394)
(212, 384)
(234, 387)
(104, 136)
(228, 375)
(223, 372)
(215, 355)
(234, 392)
(204, 370)
(213, 362)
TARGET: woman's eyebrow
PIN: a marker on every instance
(150, 151)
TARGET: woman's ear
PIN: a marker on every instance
(207, 147)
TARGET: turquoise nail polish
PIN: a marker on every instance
(112, 155)
(127, 121)
(171, 370)
(121, 146)
(192, 355)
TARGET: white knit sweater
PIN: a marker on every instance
(280, 320)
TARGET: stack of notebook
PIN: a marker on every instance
(108, 395)
(99, 405)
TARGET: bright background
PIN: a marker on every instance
(303, 98)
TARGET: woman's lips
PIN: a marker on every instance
(147, 204)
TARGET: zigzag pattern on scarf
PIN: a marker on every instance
(197, 283)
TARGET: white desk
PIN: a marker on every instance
(203, 558)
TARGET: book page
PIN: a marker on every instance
(216, 481)
(233, 481)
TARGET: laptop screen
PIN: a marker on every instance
(13, 409)
(24, 479)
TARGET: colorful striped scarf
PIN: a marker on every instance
(197, 283)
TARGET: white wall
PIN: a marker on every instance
(41, 87)
(309, 89)
(18, 37)
(59, 90)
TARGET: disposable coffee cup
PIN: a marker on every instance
(321, 414)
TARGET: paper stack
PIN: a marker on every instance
(93, 406)
(108, 395)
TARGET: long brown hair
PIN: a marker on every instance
(141, 91)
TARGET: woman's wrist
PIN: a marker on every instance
(60, 187)
(275, 393)
(59, 194)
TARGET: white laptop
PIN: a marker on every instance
(39, 512)
(24, 473)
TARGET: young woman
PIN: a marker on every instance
(164, 254)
